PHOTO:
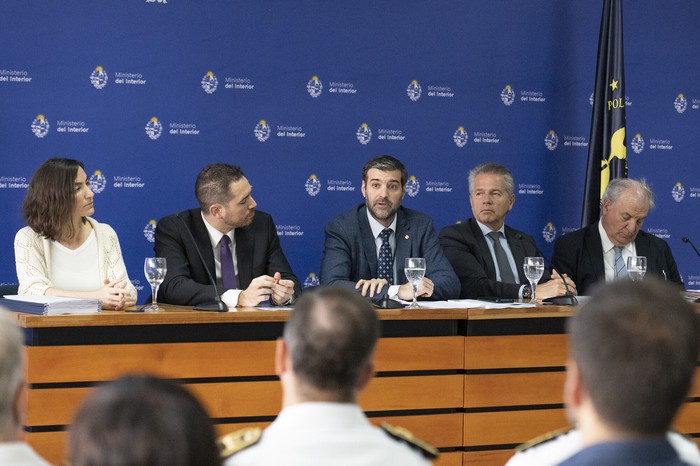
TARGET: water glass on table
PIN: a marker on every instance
(415, 271)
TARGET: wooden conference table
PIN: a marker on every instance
(473, 382)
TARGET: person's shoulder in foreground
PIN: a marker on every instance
(554, 447)
(324, 360)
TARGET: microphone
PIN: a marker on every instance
(569, 299)
(217, 305)
(685, 239)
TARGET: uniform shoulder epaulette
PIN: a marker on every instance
(544, 438)
(405, 436)
(237, 441)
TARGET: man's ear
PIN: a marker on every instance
(365, 376)
(281, 353)
(573, 389)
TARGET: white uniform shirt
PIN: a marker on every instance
(326, 434)
(553, 452)
(19, 454)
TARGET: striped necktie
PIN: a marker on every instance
(620, 267)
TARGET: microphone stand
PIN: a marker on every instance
(217, 305)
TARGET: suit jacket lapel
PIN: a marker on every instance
(369, 246)
(642, 246)
(403, 245)
(482, 249)
(593, 252)
(201, 236)
(244, 256)
(515, 242)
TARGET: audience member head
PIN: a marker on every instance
(328, 345)
(224, 195)
(142, 420)
(624, 206)
(11, 378)
(633, 347)
(57, 193)
(491, 194)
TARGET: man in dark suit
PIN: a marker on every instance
(488, 255)
(365, 247)
(599, 252)
(240, 247)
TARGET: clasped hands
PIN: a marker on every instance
(114, 295)
(264, 287)
(372, 286)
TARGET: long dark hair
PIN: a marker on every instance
(50, 199)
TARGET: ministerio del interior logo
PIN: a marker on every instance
(460, 137)
(312, 185)
(414, 91)
(508, 95)
(680, 104)
(364, 134)
(311, 280)
(97, 182)
(154, 128)
(314, 87)
(551, 140)
(99, 78)
(412, 186)
(637, 143)
(678, 192)
(149, 231)
(262, 131)
(209, 82)
(549, 232)
(40, 126)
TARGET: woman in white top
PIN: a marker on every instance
(64, 252)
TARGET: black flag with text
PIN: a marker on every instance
(607, 149)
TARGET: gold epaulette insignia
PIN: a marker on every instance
(239, 440)
(544, 438)
(404, 435)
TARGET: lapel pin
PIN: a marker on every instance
(406, 237)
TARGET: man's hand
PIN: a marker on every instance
(372, 286)
(424, 290)
(282, 290)
(555, 286)
(259, 290)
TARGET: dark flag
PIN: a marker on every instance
(607, 149)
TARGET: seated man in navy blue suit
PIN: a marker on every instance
(365, 247)
(239, 246)
(486, 253)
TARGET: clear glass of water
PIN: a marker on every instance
(636, 267)
(414, 268)
(154, 268)
(534, 269)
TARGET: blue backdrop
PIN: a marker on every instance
(302, 93)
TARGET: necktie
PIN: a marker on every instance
(228, 274)
(385, 261)
(501, 258)
(620, 267)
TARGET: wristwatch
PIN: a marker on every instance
(527, 292)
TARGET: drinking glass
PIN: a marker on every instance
(636, 267)
(415, 271)
(154, 268)
(533, 268)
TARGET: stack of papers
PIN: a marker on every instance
(470, 304)
(50, 305)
